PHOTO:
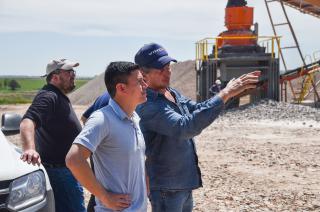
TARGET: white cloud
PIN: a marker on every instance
(185, 19)
(161, 20)
(180, 19)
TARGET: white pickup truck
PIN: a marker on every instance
(23, 187)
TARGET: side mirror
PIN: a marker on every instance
(10, 123)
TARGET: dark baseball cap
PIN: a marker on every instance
(153, 56)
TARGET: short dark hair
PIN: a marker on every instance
(118, 72)
(49, 77)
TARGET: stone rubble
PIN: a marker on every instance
(271, 110)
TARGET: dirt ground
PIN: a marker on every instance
(252, 165)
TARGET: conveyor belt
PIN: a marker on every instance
(311, 7)
(300, 71)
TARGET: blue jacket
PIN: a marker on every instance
(168, 129)
(101, 101)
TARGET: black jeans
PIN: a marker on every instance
(92, 202)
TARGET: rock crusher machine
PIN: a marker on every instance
(236, 52)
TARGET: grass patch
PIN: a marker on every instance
(14, 100)
(26, 84)
(28, 88)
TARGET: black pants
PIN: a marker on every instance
(92, 201)
(91, 204)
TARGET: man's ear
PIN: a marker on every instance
(55, 78)
(121, 88)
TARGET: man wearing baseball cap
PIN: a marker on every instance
(48, 129)
(169, 121)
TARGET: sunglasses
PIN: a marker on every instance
(71, 71)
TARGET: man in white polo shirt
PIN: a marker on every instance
(113, 136)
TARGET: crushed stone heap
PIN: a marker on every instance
(183, 78)
(272, 110)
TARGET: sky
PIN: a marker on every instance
(96, 32)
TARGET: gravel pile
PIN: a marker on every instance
(87, 93)
(183, 78)
(272, 110)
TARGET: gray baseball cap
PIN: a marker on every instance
(63, 64)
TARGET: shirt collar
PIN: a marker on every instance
(152, 94)
(135, 117)
(117, 109)
(51, 87)
(121, 114)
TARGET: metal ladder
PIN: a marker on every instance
(296, 44)
(288, 23)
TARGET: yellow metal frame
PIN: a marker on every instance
(306, 86)
(309, 80)
(204, 45)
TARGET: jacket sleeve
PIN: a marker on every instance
(100, 102)
(89, 111)
(192, 105)
(163, 119)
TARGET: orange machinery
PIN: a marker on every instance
(236, 52)
(238, 21)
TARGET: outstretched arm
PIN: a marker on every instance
(161, 118)
(239, 85)
(234, 88)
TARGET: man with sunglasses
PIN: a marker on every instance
(48, 129)
(169, 121)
